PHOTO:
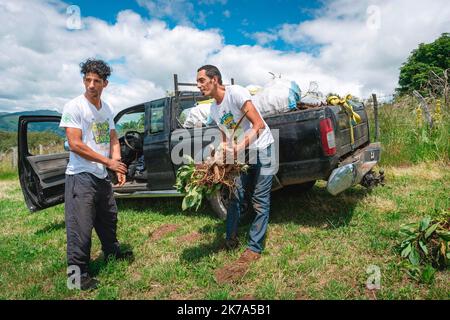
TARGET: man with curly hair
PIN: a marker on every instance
(94, 146)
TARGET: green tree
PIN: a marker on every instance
(414, 73)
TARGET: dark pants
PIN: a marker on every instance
(89, 203)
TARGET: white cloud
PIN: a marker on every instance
(367, 41)
(201, 19)
(263, 38)
(212, 2)
(39, 62)
(252, 64)
(132, 93)
(180, 11)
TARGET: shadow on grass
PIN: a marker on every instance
(195, 254)
(100, 263)
(51, 227)
(96, 265)
(316, 208)
(313, 208)
(163, 206)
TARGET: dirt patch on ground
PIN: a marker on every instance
(189, 238)
(237, 269)
(383, 205)
(422, 171)
(371, 294)
(301, 296)
(163, 230)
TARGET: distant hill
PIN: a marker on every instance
(8, 121)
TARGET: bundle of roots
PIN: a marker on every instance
(213, 172)
(206, 178)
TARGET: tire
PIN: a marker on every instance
(218, 203)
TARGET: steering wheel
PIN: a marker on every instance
(133, 140)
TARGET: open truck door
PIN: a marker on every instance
(42, 176)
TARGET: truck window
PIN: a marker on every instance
(157, 118)
(130, 121)
(194, 113)
(45, 138)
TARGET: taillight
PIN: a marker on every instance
(327, 135)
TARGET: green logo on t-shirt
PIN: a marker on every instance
(100, 132)
(228, 121)
(66, 118)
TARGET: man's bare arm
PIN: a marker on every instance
(79, 147)
(257, 124)
(115, 155)
(115, 145)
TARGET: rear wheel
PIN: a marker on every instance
(219, 203)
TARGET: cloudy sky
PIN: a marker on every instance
(346, 46)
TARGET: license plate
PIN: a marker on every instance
(372, 155)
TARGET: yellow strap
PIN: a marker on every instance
(205, 101)
(353, 117)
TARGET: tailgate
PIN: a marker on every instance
(360, 130)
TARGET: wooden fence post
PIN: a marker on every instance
(14, 157)
(425, 108)
(375, 115)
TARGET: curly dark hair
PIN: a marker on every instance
(96, 66)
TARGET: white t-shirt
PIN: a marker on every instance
(228, 112)
(95, 126)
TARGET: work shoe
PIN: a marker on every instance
(88, 283)
(249, 256)
(231, 244)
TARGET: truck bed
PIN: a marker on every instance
(301, 155)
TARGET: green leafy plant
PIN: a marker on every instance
(421, 274)
(198, 181)
(426, 243)
(188, 182)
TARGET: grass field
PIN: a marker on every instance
(318, 246)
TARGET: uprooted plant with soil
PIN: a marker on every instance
(204, 179)
(201, 180)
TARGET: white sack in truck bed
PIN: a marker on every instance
(278, 96)
(197, 116)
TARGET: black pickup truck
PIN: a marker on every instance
(314, 144)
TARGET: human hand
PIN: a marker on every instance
(117, 166)
(230, 152)
(121, 179)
